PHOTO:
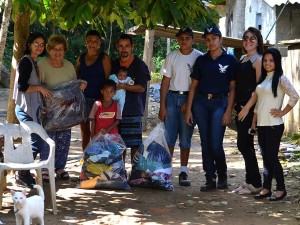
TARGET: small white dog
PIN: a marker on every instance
(30, 208)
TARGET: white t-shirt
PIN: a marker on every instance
(178, 67)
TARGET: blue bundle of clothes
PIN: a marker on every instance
(103, 165)
(152, 163)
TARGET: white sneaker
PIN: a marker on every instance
(250, 189)
(243, 186)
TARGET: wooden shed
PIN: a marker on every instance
(291, 69)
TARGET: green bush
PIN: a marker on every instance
(156, 77)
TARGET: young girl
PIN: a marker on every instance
(269, 93)
(105, 114)
(249, 71)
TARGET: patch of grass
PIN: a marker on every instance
(294, 139)
(155, 78)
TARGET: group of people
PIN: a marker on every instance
(100, 80)
(197, 88)
(204, 89)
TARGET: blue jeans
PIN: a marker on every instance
(38, 144)
(174, 122)
(208, 114)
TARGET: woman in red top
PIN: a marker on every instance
(105, 114)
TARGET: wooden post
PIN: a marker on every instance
(147, 57)
(168, 46)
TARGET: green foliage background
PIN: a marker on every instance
(76, 42)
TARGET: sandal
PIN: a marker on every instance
(45, 175)
(62, 174)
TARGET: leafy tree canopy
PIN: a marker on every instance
(67, 14)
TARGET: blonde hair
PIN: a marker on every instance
(56, 40)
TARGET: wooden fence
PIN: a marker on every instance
(291, 68)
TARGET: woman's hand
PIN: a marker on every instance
(83, 85)
(276, 112)
(45, 92)
(243, 113)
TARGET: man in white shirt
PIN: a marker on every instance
(173, 97)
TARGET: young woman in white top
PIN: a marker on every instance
(269, 94)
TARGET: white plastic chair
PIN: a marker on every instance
(21, 158)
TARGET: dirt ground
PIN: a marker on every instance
(185, 205)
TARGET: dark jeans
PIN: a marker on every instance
(245, 145)
(38, 144)
(208, 114)
(269, 141)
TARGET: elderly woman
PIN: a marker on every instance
(55, 71)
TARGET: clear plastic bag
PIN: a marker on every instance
(152, 163)
(103, 165)
(65, 109)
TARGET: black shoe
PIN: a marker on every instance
(208, 186)
(183, 179)
(25, 179)
(274, 198)
(260, 196)
(222, 184)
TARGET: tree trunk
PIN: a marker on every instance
(21, 32)
(3, 30)
(147, 57)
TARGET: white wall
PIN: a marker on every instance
(268, 17)
(242, 20)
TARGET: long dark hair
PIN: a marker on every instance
(260, 42)
(31, 38)
(278, 69)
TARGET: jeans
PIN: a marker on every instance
(174, 122)
(269, 141)
(208, 114)
(245, 145)
(37, 143)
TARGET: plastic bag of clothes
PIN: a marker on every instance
(103, 165)
(152, 163)
(65, 109)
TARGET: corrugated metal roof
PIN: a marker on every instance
(272, 3)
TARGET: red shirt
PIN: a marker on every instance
(105, 116)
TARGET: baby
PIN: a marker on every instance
(121, 77)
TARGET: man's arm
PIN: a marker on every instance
(163, 94)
